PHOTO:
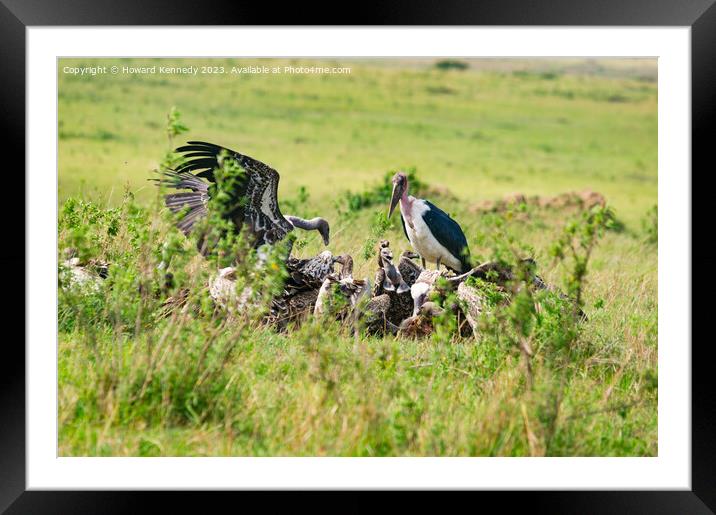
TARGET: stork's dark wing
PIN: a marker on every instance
(257, 192)
(402, 222)
(448, 233)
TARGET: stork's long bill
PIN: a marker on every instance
(398, 191)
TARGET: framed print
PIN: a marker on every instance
(366, 257)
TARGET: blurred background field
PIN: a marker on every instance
(475, 131)
(533, 126)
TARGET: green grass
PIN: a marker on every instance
(134, 384)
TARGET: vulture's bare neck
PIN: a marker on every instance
(314, 224)
(307, 225)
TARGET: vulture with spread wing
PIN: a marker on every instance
(252, 200)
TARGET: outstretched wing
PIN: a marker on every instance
(257, 192)
(448, 233)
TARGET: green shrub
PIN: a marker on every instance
(451, 64)
(379, 194)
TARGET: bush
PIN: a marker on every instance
(451, 64)
(380, 193)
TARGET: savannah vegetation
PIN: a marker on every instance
(138, 378)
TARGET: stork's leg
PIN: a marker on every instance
(422, 259)
(438, 263)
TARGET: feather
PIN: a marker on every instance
(182, 180)
(178, 201)
(195, 200)
(402, 222)
(448, 233)
(260, 188)
(254, 199)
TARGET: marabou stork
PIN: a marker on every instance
(253, 201)
(430, 230)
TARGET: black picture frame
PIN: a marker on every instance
(16, 15)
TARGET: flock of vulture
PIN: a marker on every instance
(398, 298)
(396, 302)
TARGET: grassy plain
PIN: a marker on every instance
(132, 385)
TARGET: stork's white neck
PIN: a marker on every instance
(406, 208)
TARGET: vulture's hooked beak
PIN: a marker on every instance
(395, 198)
(325, 230)
(346, 262)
